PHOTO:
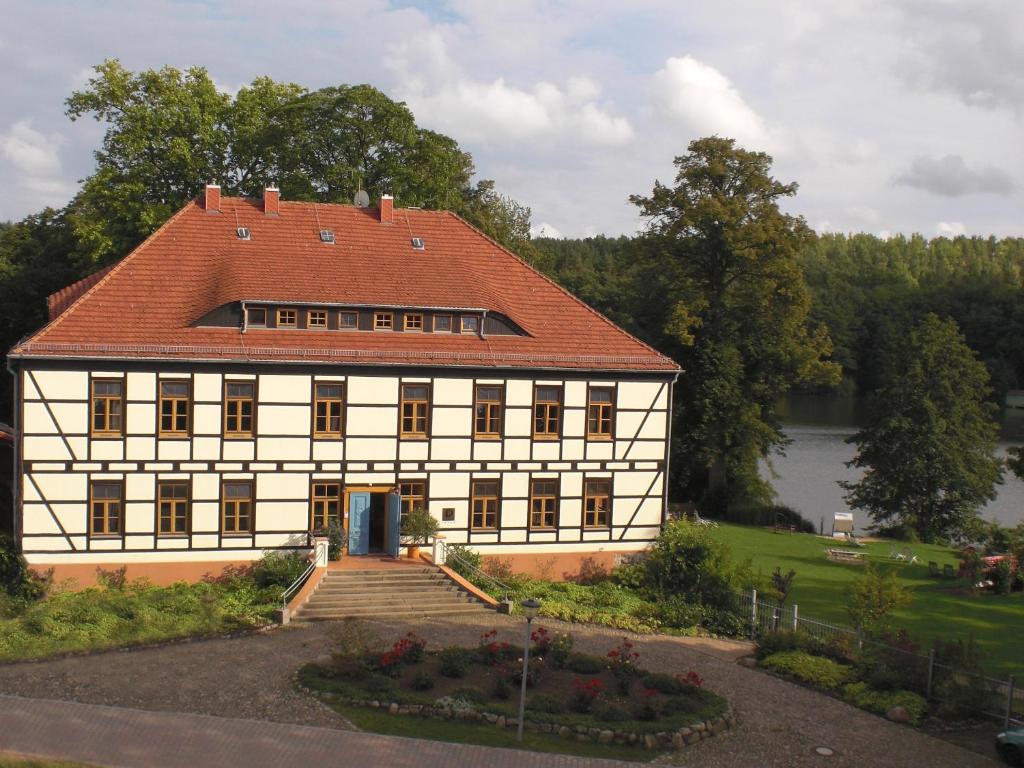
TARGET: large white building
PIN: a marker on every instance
(256, 369)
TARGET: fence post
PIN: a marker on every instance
(860, 638)
(931, 673)
(1009, 702)
(753, 612)
(796, 619)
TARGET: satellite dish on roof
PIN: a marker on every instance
(362, 198)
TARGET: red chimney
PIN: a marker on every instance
(387, 209)
(271, 201)
(211, 200)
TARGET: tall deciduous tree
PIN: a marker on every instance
(718, 280)
(928, 446)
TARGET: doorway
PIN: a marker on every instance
(373, 520)
(378, 521)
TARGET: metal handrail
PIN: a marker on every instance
(296, 585)
(472, 568)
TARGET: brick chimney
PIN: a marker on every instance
(387, 209)
(271, 201)
(211, 199)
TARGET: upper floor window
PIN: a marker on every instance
(256, 317)
(325, 506)
(287, 318)
(415, 403)
(174, 408)
(484, 504)
(327, 408)
(414, 495)
(413, 322)
(547, 412)
(348, 320)
(106, 503)
(470, 324)
(383, 321)
(442, 323)
(487, 423)
(600, 409)
(543, 503)
(172, 508)
(236, 507)
(316, 318)
(107, 407)
(596, 503)
(239, 406)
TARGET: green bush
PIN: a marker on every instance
(815, 670)
(422, 682)
(16, 580)
(559, 649)
(335, 540)
(610, 711)
(454, 662)
(470, 693)
(663, 683)
(783, 640)
(279, 569)
(459, 556)
(583, 664)
(543, 702)
(864, 696)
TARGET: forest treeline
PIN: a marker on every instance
(864, 289)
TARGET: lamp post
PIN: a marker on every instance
(530, 608)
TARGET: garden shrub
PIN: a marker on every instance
(335, 540)
(279, 569)
(650, 707)
(610, 711)
(782, 640)
(584, 693)
(815, 670)
(454, 661)
(17, 581)
(376, 685)
(471, 694)
(543, 702)
(422, 682)
(864, 696)
(492, 652)
(559, 649)
(663, 683)
(458, 556)
(961, 699)
(583, 664)
(502, 688)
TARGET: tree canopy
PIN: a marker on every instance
(928, 446)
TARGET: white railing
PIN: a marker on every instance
(319, 560)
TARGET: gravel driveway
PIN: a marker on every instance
(781, 724)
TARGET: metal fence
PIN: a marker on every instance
(1001, 700)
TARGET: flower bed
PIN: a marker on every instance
(607, 699)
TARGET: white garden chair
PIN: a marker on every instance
(702, 521)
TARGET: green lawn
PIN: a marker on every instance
(11, 761)
(463, 732)
(941, 608)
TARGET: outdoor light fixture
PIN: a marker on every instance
(531, 608)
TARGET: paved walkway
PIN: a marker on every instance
(134, 738)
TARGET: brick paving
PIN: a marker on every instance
(133, 738)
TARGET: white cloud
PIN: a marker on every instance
(545, 230)
(442, 95)
(701, 99)
(950, 228)
(31, 152)
(950, 176)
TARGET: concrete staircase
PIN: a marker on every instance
(381, 593)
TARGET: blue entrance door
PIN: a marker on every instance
(394, 512)
(358, 523)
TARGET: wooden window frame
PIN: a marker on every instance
(496, 498)
(226, 408)
(319, 312)
(315, 499)
(547, 406)
(553, 498)
(413, 434)
(279, 323)
(249, 323)
(174, 500)
(602, 407)
(347, 313)
(588, 496)
(462, 323)
(187, 400)
(409, 501)
(340, 400)
(224, 502)
(380, 316)
(407, 326)
(489, 405)
(108, 400)
(119, 501)
(434, 327)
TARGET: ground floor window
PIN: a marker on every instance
(172, 506)
(596, 503)
(236, 507)
(414, 494)
(325, 507)
(484, 504)
(105, 508)
(543, 503)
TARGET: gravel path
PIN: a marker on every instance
(251, 677)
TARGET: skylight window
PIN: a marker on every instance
(243, 233)
(419, 244)
(326, 236)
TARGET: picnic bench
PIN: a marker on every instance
(845, 556)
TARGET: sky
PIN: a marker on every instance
(893, 117)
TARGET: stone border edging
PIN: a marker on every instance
(660, 740)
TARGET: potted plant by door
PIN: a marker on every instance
(418, 527)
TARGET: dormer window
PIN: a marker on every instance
(287, 318)
(383, 321)
(256, 317)
(316, 318)
(348, 321)
(442, 323)
(413, 321)
(470, 324)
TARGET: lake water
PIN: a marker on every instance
(806, 477)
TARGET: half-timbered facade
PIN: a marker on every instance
(260, 369)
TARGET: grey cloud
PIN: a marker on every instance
(950, 176)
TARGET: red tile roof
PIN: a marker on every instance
(147, 304)
(65, 297)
